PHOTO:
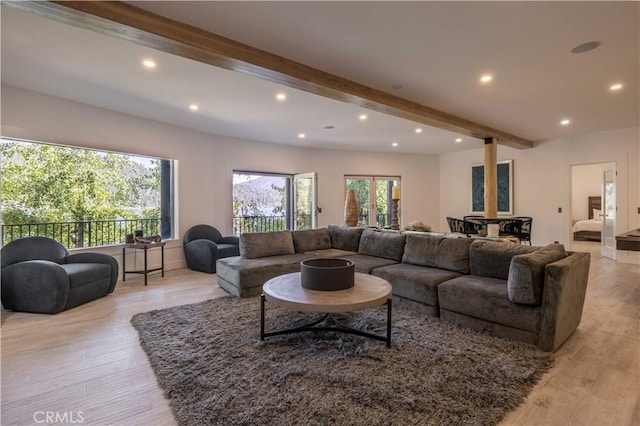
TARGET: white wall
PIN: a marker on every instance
(542, 180)
(586, 181)
(432, 187)
(206, 162)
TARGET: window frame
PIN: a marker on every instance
(372, 207)
(167, 225)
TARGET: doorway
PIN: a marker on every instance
(593, 208)
(374, 195)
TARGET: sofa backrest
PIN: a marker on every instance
(33, 248)
(526, 274)
(254, 245)
(437, 252)
(345, 237)
(492, 258)
(388, 245)
(202, 232)
(311, 239)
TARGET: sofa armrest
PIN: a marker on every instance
(37, 286)
(565, 287)
(201, 255)
(230, 240)
(97, 258)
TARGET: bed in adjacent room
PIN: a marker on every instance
(591, 229)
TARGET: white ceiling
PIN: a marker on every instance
(435, 50)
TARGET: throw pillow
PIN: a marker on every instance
(388, 245)
(311, 239)
(526, 274)
(345, 237)
(437, 252)
(254, 245)
(492, 258)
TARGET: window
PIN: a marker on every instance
(83, 197)
(374, 194)
(265, 202)
(260, 202)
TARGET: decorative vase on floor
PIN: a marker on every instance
(351, 208)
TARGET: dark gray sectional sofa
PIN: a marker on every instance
(531, 294)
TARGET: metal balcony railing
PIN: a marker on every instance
(87, 233)
(382, 220)
(242, 224)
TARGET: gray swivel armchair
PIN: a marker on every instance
(39, 275)
(204, 245)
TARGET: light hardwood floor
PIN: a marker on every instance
(88, 359)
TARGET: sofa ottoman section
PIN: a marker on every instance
(415, 287)
(245, 277)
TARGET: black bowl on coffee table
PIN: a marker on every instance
(327, 274)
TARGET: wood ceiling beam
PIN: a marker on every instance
(137, 25)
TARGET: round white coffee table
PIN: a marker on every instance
(287, 292)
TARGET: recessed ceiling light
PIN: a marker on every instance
(616, 86)
(302, 135)
(565, 122)
(363, 117)
(486, 78)
(281, 96)
(148, 63)
(394, 144)
(458, 140)
(194, 107)
(585, 47)
(418, 130)
(329, 127)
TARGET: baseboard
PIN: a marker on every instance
(628, 256)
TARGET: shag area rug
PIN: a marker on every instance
(211, 365)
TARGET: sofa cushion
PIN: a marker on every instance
(254, 245)
(84, 273)
(249, 273)
(492, 258)
(486, 299)
(414, 282)
(331, 253)
(438, 252)
(435, 234)
(526, 273)
(388, 245)
(345, 237)
(311, 239)
(365, 263)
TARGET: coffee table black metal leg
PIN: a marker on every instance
(330, 324)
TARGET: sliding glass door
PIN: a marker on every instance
(306, 210)
(374, 194)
